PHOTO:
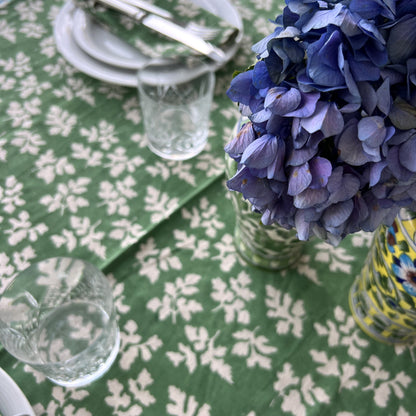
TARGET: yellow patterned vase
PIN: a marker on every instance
(383, 298)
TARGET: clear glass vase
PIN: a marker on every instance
(383, 297)
(270, 247)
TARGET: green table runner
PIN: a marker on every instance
(202, 333)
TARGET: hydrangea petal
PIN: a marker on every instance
(283, 210)
(370, 29)
(298, 7)
(277, 62)
(364, 70)
(328, 52)
(260, 48)
(310, 198)
(369, 97)
(350, 82)
(401, 44)
(240, 142)
(403, 115)
(324, 18)
(261, 152)
(276, 169)
(242, 177)
(322, 65)
(240, 86)
(326, 118)
(303, 219)
(373, 153)
(256, 190)
(299, 157)
(384, 97)
(342, 186)
(278, 126)
(335, 233)
(262, 199)
(393, 161)
(321, 169)
(376, 53)
(335, 180)
(401, 136)
(278, 187)
(350, 187)
(358, 215)
(315, 139)
(349, 146)
(350, 108)
(337, 214)
(349, 24)
(372, 130)
(407, 154)
(411, 191)
(282, 101)
(259, 173)
(302, 227)
(405, 7)
(261, 77)
(299, 179)
(380, 211)
(389, 134)
(299, 134)
(367, 9)
(347, 187)
(375, 172)
(260, 116)
(307, 105)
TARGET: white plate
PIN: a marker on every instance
(106, 47)
(70, 50)
(103, 45)
(12, 401)
(82, 61)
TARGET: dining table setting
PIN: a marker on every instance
(201, 330)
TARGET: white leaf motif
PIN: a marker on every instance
(181, 406)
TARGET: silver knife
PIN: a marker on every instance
(151, 8)
(167, 28)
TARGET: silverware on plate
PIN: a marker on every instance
(205, 32)
(166, 27)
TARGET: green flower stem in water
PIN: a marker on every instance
(270, 247)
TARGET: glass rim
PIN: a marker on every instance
(175, 73)
(26, 270)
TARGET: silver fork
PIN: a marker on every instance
(206, 33)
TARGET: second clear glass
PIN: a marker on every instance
(176, 103)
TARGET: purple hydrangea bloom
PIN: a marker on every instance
(330, 142)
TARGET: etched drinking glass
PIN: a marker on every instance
(176, 104)
(58, 317)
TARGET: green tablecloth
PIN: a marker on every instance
(202, 332)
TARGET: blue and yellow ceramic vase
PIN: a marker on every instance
(383, 297)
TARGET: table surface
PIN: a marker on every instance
(202, 332)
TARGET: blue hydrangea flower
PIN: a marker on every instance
(331, 104)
